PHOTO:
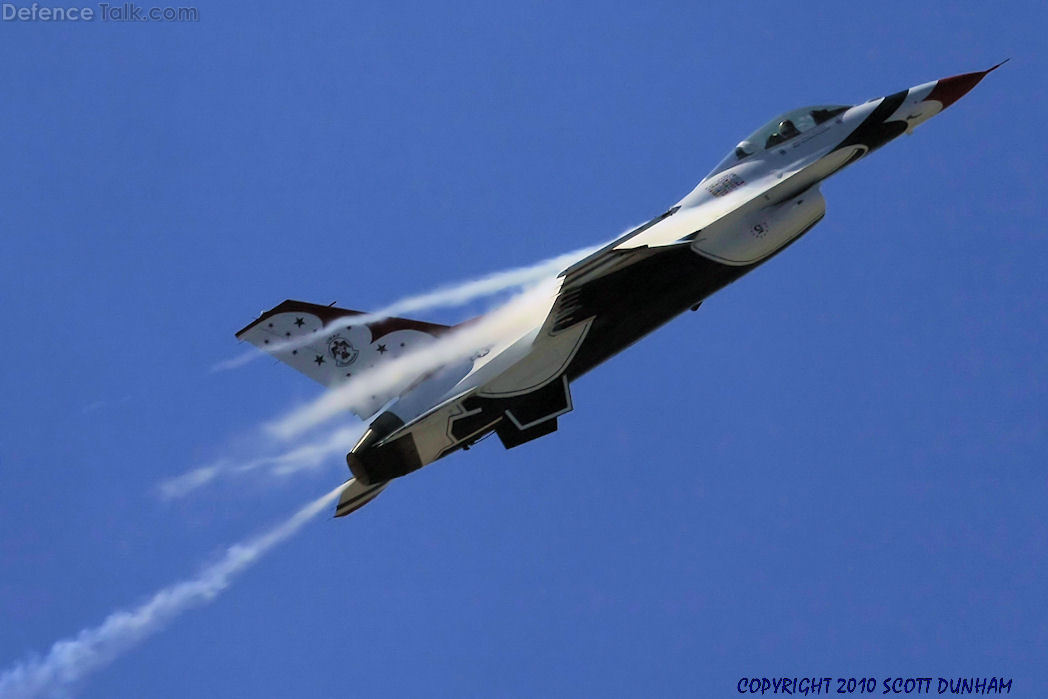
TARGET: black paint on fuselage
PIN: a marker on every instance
(629, 303)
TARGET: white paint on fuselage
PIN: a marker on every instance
(769, 178)
(916, 109)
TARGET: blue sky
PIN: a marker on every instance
(836, 467)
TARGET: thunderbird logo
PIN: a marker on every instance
(341, 351)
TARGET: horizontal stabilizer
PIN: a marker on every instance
(355, 495)
(326, 345)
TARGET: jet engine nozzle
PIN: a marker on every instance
(381, 454)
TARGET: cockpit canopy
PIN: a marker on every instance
(780, 130)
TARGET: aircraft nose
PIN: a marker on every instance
(948, 90)
(922, 102)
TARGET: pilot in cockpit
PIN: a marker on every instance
(779, 130)
(786, 131)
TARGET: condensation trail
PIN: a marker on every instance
(307, 456)
(453, 295)
(72, 659)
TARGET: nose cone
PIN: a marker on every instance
(949, 90)
(922, 102)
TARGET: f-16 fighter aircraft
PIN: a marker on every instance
(759, 199)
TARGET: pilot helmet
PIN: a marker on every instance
(787, 129)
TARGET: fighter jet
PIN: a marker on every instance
(760, 198)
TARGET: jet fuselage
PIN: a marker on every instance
(759, 199)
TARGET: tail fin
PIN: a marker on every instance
(325, 344)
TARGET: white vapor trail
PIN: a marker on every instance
(452, 295)
(498, 328)
(457, 294)
(70, 660)
(307, 456)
